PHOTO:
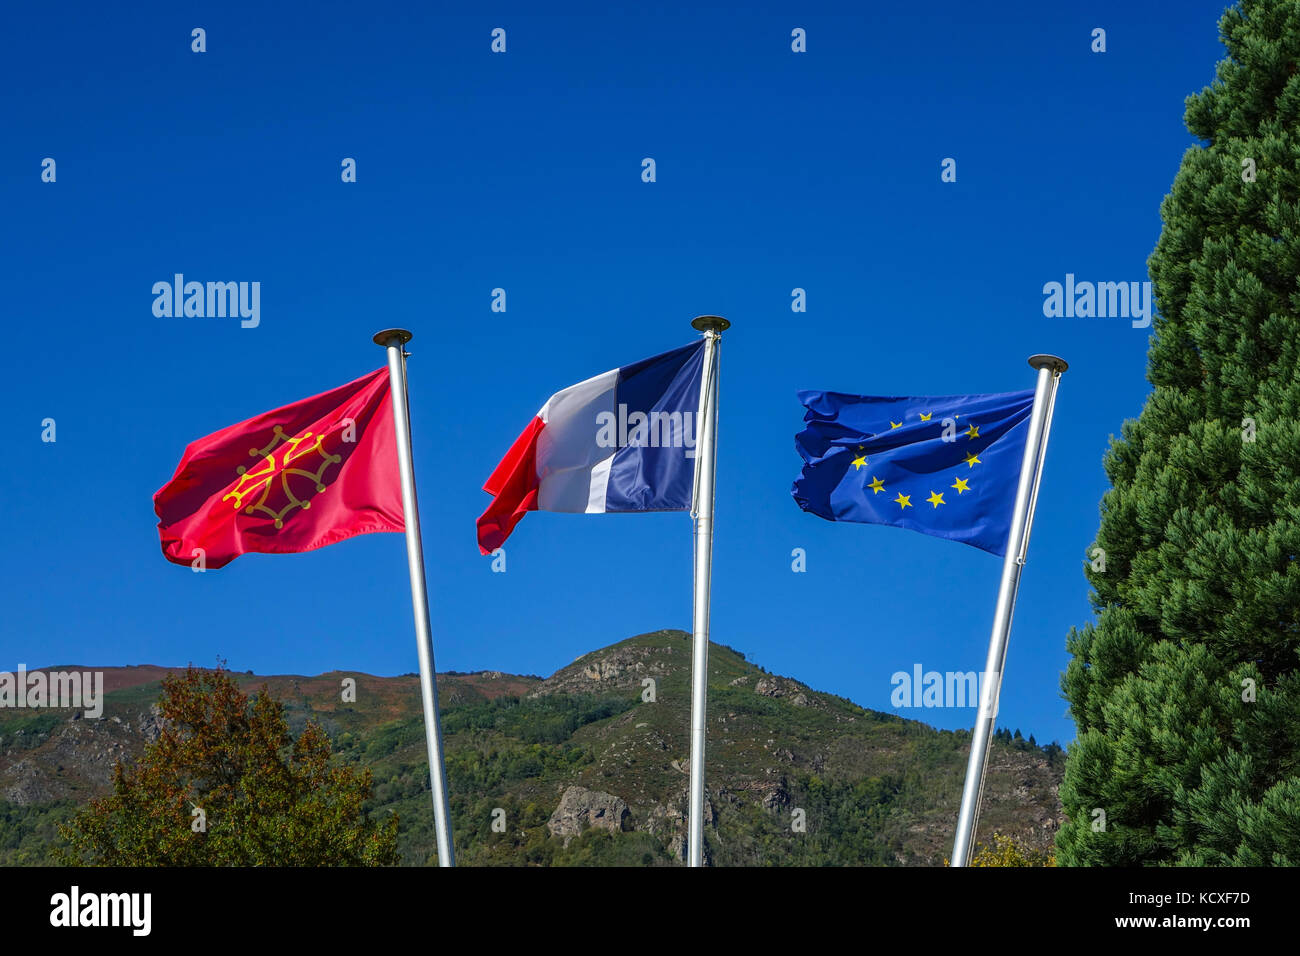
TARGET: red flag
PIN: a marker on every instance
(293, 479)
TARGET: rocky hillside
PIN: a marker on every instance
(588, 766)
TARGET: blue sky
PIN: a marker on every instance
(522, 170)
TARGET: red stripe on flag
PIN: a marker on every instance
(514, 486)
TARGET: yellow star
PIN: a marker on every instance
(904, 501)
(961, 485)
(936, 499)
(876, 486)
(893, 424)
(925, 417)
(973, 431)
(972, 460)
(859, 462)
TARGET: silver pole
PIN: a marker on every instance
(394, 340)
(1031, 470)
(1023, 549)
(705, 458)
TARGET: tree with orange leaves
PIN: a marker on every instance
(226, 784)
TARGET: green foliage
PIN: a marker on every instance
(550, 719)
(1053, 752)
(1185, 690)
(603, 848)
(389, 738)
(28, 833)
(29, 730)
(265, 797)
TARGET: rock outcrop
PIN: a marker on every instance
(581, 808)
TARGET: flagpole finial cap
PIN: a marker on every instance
(385, 337)
(710, 323)
(1053, 362)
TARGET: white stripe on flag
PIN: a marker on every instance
(599, 485)
(567, 453)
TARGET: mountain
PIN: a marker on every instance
(588, 766)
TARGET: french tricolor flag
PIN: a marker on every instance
(623, 441)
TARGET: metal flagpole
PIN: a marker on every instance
(394, 340)
(1031, 471)
(702, 511)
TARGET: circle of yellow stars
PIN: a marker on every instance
(936, 497)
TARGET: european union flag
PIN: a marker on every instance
(946, 465)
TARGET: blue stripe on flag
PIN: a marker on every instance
(656, 401)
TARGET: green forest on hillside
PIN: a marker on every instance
(820, 781)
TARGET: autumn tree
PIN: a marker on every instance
(226, 784)
(1003, 850)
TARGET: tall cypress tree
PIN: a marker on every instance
(1186, 690)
